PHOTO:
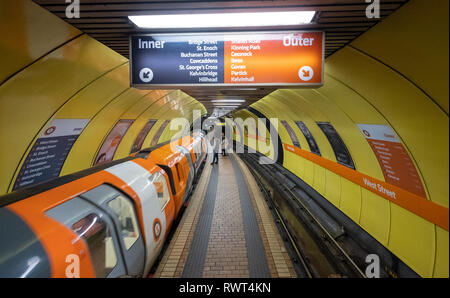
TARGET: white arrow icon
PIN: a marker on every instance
(306, 73)
(146, 75)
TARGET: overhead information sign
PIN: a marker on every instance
(227, 59)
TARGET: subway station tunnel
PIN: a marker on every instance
(318, 181)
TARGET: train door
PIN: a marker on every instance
(156, 207)
(121, 210)
(202, 148)
(96, 228)
(191, 175)
(198, 154)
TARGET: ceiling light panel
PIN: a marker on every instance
(221, 20)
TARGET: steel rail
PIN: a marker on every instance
(292, 242)
(345, 258)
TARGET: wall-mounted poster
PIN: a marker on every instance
(159, 133)
(112, 141)
(309, 137)
(48, 154)
(141, 136)
(291, 133)
(398, 168)
(340, 150)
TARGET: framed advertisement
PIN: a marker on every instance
(112, 141)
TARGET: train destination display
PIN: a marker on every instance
(227, 59)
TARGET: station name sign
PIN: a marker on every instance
(227, 59)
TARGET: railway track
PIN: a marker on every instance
(300, 263)
(311, 241)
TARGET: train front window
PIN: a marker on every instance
(197, 154)
(124, 210)
(162, 191)
(180, 172)
(98, 237)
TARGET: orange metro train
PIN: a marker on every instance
(107, 221)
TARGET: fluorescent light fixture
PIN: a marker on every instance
(227, 100)
(220, 20)
(225, 105)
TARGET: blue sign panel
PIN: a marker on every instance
(175, 60)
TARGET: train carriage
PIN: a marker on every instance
(107, 221)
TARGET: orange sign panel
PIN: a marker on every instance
(398, 168)
(276, 58)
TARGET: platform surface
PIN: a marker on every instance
(227, 230)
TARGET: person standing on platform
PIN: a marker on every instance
(224, 145)
(216, 150)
